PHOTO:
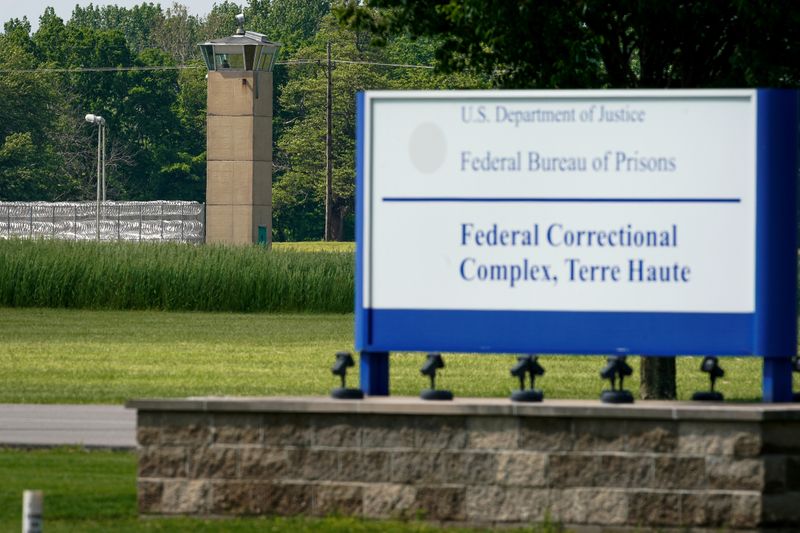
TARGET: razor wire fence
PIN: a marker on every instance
(173, 221)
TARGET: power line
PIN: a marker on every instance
(79, 70)
(404, 65)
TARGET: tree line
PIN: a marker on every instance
(156, 118)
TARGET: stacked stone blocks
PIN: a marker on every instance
(479, 469)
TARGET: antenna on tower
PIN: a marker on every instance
(240, 24)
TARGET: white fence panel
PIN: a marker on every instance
(172, 221)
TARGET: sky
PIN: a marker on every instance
(33, 9)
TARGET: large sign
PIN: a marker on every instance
(654, 222)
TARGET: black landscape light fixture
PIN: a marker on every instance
(710, 366)
(616, 368)
(344, 360)
(527, 364)
(433, 363)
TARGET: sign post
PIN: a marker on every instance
(583, 222)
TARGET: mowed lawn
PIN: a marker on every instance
(75, 356)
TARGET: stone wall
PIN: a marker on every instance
(482, 462)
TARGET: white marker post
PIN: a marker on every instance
(32, 511)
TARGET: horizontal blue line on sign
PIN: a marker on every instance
(486, 199)
(572, 332)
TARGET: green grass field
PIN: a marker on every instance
(85, 355)
(94, 492)
(109, 356)
(177, 277)
(314, 246)
(75, 356)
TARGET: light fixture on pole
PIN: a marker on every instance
(101, 162)
(344, 360)
(433, 363)
(617, 368)
(710, 366)
(527, 364)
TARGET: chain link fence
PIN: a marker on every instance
(119, 221)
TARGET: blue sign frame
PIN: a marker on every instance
(770, 332)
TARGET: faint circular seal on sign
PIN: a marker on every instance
(427, 147)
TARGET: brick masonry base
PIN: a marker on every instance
(582, 464)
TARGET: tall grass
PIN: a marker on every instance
(88, 275)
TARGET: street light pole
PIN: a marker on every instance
(101, 163)
(103, 133)
(97, 211)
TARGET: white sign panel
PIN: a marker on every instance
(560, 201)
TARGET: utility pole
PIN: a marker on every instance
(329, 153)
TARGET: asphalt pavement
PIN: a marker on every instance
(92, 426)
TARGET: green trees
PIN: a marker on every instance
(29, 162)
(156, 118)
(46, 149)
(589, 43)
(300, 159)
(299, 190)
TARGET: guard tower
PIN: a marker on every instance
(239, 137)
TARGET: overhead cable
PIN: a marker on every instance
(78, 70)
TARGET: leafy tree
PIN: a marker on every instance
(14, 114)
(30, 167)
(18, 32)
(221, 21)
(28, 172)
(86, 47)
(592, 43)
(90, 16)
(257, 15)
(299, 190)
(137, 23)
(177, 33)
(156, 119)
(145, 121)
(293, 23)
(190, 106)
(51, 38)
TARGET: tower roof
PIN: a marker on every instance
(249, 37)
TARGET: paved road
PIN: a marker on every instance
(108, 426)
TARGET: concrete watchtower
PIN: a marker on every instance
(239, 137)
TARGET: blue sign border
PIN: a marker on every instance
(769, 332)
